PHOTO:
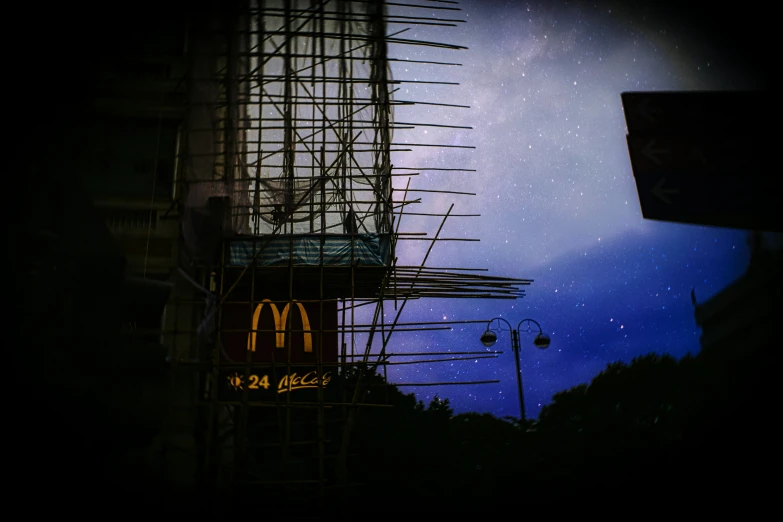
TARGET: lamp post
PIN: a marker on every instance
(489, 338)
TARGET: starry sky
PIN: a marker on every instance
(554, 190)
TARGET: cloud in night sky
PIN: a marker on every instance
(555, 191)
(619, 299)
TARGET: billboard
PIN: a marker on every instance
(277, 333)
(704, 157)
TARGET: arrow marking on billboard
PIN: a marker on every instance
(652, 153)
(662, 193)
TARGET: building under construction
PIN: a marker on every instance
(242, 156)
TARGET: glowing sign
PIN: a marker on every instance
(278, 330)
(288, 383)
(280, 321)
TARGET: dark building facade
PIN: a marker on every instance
(93, 255)
(158, 192)
(735, 430)
(741, 321)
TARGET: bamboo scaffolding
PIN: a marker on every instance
(346, 120)
(444, 383)
(260, 365)
(305, 105)
(343, 17)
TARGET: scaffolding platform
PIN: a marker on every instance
(334, 250)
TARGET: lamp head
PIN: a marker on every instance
(489, 338)
(542, 341)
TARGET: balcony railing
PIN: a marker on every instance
(123, 219)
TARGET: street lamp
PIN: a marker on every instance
(489, 338)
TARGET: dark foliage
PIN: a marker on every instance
(653, 431)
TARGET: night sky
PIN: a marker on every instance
(555, 192)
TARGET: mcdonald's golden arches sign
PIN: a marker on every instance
(271, 328)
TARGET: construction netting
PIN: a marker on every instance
(289, 123)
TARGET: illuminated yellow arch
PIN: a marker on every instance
(280, 322)
(280, 335)
(308, 336)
